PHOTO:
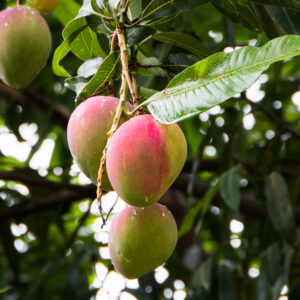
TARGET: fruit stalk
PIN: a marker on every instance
(124, 61)
(119, 110)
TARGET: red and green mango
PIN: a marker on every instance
(144, 158)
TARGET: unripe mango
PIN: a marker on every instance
(87, 134)
(25, 41)
(141, 239)
(144, 158)
(44, 6)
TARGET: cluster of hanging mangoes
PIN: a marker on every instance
(144, 158)
(25, 41)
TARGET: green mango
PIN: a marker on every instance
(25, 41)
(141, 239)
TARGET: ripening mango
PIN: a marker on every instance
(25, 44)
(87, 133)
(44, 6)
(141, 239)
(144, 158)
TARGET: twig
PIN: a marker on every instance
(73, 236)
(52, 202)
(109, 212)
(59, 114)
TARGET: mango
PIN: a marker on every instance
(141, 239)
(87, 134)
(144, 158)
(44, 6)
(25, 41)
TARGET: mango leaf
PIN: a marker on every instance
(238, 12)
(203, 275)
(163, 24)
(202, 205)
(230, 187)
(109, 69)
(153, 7)
(188, 4)
(134, 9)
(271, 262)
(76, 84)
(151, 61)
(217, 78)
(59, 54)
(293, 4)
(66, 11)
(89, 67)
(279, 207)
(184, 41)
(82, 43)
(286, 19)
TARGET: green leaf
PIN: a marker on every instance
(237, 11)
(76, 84)
(89, 67)
(153, 7)
(294, 4)
(59, 54)
(286, 19)
(217, 78)
(5, 289)
(108, 69)
(184, 41)
(230, 187)
(225, 280)
(164, 24)
(134, 9)
(66, 11)
(202, 205)
(151, 61)
(271, 262)
(203, 275)
(279, 207)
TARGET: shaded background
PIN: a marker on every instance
(244, 246)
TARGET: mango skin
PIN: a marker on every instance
(144, 158)
(44, 6)
(25, 41)
(87, 134)
(141, 239)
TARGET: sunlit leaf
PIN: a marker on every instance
(217, 78)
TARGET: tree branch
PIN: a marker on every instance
(60, 114)
(51, 202)
(42, 182)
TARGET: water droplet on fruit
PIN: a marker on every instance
(163, 214)
(142, 208)
(134, 212)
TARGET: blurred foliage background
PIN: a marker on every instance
(239, 238)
